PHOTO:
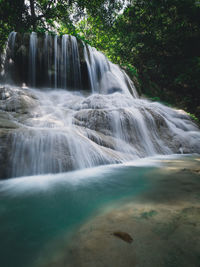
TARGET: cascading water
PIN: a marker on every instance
(54, 130)
(92, 70)
(48, 63)
(65, 61)
(7, 69)
(32, 58)
(76, 64)
(12, 38)
(55, 60)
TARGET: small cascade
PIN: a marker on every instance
(99, 65)
(47, 61)
(32, 59)
(76, 64)
(7, 62)
(64, 63)
(55, 61)
(11, 38)
(91, 74)
(98, 68)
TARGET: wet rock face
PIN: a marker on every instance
(17, 100)
(56, 131)
(97, 120)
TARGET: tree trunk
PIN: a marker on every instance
(33, 16)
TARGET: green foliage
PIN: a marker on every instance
(164, 41)
(10, 18)
(156, 98)
(131, 69)
(161, 40)
(194, 118)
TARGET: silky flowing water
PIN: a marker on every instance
(64, 110)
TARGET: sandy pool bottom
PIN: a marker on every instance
(164, 223)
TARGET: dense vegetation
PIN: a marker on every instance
(156, 41)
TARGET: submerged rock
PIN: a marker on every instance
(124, 236)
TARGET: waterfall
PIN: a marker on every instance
(11, 38)
(7, 62)
(92, 75)
(47, 55)
(97, 119)
(32, 59)
(76, 64)
(55, 60)
(64, 63)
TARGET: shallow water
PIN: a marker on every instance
(36, 210)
